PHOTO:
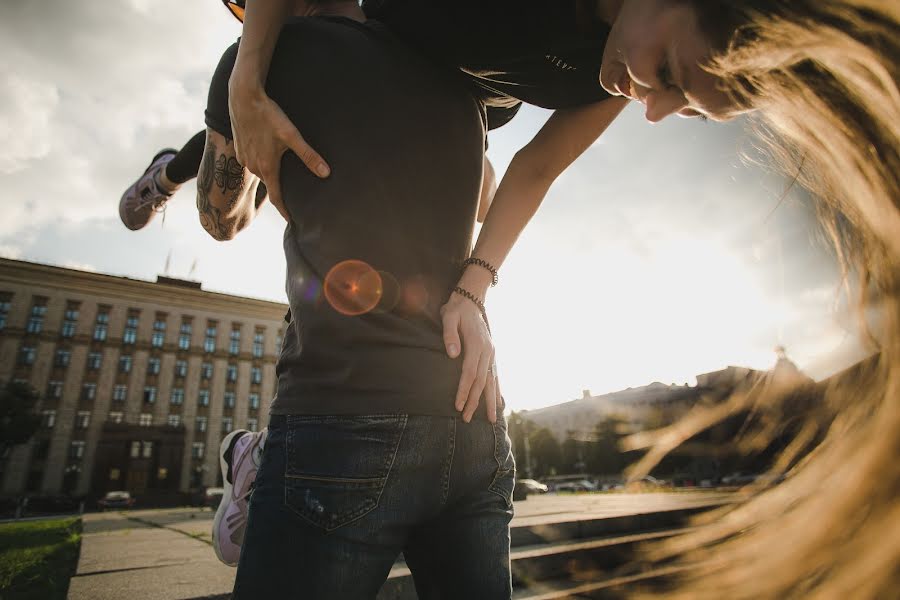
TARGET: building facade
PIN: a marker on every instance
(139, 380)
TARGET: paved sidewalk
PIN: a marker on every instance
(166, 554)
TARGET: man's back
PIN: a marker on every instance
(391, 225)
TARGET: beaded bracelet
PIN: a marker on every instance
(484, 265)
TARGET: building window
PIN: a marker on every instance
(197, 449)
(146, 449)
(149, 394)
(145, 420)
(234, 341)
(252, 424)
(153, 366)
(180, 368)
(70, 321)
(54, 389)
(63, 358)
(82, 419)
(101, 326)
(88, 391)
(41, 450)
(125, 363)
(116, 416)
(203, 398)
(229, 399)
(114, 474)
(120, 393)
(76, 449)
(36, 319)
(231, 373)
(227, 424)
(129, 336)
(27, 355)
(200, 422)
(255, 375)
(254, 401)
(48, 419)
(158, 338)
(184, 338)
(94, 360)
(135, 450)
(177, 396)
(206, 371)
(259, 339)
(5, 305)
(174, 420)
(209, 342)
(279, 339)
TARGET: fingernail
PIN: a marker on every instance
(322, 170)
(452, 349)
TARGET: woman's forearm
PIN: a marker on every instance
(517, 200)
(263, 20)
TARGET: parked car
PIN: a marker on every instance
(582, 485)
(119, 499)
(739, 478)
(533, 486)
(213, 496)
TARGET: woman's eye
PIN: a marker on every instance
(664, 74)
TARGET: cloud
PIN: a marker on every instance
(26, 108)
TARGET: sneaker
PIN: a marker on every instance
(145, 197)
(239, 458)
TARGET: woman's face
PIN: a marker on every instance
(653, 55)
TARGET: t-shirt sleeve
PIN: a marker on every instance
(497, 116)
(217, 116)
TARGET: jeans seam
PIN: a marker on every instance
(447, 472)
(500, 472)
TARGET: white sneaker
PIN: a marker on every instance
(145, 197)
(241, 454)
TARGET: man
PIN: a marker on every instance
(366, 455)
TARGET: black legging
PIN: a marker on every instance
(186, 163)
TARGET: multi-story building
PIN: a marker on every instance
(139, 380)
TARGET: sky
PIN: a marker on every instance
(663, 252)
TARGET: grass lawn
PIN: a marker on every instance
(37, 558)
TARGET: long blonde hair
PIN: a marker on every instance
(822, 77)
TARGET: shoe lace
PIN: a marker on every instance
(153, 195)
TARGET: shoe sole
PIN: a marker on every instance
(226, 496)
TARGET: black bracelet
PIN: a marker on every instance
(467, 294)
(484, 265)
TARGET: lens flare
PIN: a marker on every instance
(414, 296)
(353, 288)
(390, 292)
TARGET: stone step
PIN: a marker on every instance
(590, 560)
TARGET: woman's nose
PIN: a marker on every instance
(662, 104)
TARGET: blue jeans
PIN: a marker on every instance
(338, 498)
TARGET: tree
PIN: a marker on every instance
(18, 414)
(605, 456)
(545, 452)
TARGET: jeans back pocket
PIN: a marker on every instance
(336, 466)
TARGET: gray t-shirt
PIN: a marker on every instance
(374, 250)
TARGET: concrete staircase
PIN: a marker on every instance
(576, 558)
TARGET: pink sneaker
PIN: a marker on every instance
(239, 458)
(145, 197)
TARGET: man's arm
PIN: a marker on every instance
(262, 132)
(227, 198)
